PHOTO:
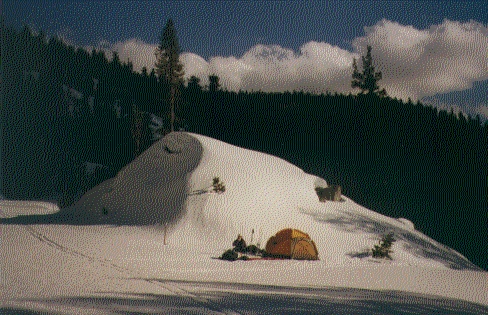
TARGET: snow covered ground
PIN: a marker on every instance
(106, 254)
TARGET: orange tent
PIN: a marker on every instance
(292, 243)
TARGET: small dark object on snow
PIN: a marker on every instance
(332, 193)
(229, 255)
(239, 244)
(254, 250)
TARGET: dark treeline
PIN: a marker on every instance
(402, 160)
(399, 159)
(64, 106)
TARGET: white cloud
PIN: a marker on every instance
(194, 65)
(136, 51)
(481, 110)
(415, 63)
(318, 67)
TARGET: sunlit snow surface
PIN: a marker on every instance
(82, 261)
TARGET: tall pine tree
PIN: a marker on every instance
(168, 66)
(367, 80)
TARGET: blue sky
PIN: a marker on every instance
(242, 41)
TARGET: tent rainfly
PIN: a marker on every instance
(292, 243)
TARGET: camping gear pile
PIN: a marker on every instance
(286, 244)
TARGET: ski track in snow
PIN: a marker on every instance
(202, 295)
(133, 274)
(41, 237)
(236, 299)
(168, 285)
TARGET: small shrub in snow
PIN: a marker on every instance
(218, 186)
(383, 250)
(229, 255)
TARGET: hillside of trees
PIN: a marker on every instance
(63, 106)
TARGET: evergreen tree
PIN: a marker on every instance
(141, 133)
(384, 248)
(168, 66)
(193, 94)
(367, 80)
(144, 72)
(194, 84)
(214, 83)
(116, 58)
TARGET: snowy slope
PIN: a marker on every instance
(263, 193)
(80, 259)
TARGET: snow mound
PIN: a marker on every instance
(150, 190)
(170, 186)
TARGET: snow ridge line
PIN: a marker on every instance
(170, 286)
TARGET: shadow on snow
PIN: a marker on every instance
(414, 243)
(215, 298)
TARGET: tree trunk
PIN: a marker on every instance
(165, 229)
(172, 100)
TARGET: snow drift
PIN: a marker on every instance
(167, 187)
